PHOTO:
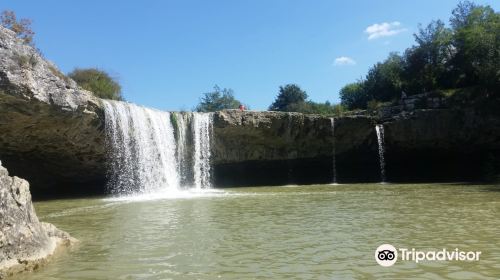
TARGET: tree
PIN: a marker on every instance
(97, 81)
(383, 81)
(460, 15)
(426, 64)
(465, 56)
(311, 107)
(288, 95)
(217, 100)
(22, 28)
(353, 96)
(477, 43)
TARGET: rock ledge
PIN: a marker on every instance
(25, 242)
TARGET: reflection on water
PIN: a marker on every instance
(302, 232)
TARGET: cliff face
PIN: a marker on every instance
(442, 145)
(263, 148)
(51, 131)
(25, 242)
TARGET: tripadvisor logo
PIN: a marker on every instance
(387, 255)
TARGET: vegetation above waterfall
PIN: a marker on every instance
(291, 98)
(97, 81)
(457, 62)
(460, 62)
(217, 100)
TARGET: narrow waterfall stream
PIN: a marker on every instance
(379, 128)
(202, 127)
(334, 152)
(154, 151)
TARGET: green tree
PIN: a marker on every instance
(21, 27)
(460, 15)
(311, 107)
(477, 43)
(288, 95)
(465, 56)
(383, 81)
(353, 96)
(98, 82)
(217, 100)
(426, 64)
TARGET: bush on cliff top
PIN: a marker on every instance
(98, 82)
(217, 100)
(21, 27)
(291, 98)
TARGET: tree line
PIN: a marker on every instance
(465, 55)
(460, 62)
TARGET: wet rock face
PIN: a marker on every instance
(52, 131)
(246, 136)
(276, 148)
(25, 242)
(442, 145)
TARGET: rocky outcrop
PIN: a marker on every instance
(52, 133)
(25, 242)
(442, 145)
(51, 130)
(289, 148)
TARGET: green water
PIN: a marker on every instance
(302, 232)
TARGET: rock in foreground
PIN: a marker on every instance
(25, 242)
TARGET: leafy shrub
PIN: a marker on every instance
(217, 100)
(98, 82)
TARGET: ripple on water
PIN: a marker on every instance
(305, 232)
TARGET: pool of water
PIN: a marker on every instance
(292, 232)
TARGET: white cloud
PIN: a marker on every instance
(344, 60)
(384, 29)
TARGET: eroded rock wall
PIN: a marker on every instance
(52, 132)
(275, 148)
(442, 145)
(25, 242)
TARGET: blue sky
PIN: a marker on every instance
(167, 53)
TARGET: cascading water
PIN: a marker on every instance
(202, 128)
(183, 130)
(379, 128)
(334, 163)
(143, 149)
(150, 149)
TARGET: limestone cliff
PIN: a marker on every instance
(442, 145)
(262, 148)
(51, 130)
(52, 133)
(25, 242)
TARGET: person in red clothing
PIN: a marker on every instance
(242, 107)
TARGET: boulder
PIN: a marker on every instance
(25, 242)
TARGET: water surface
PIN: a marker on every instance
(294, 232)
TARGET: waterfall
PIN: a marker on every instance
(150, 149)
(202, 127)
(379, 128)
(334, 163)
(183, 130)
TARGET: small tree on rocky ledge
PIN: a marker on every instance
(22, 28)
(98, 82)
(217, 100)
(290, 95)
